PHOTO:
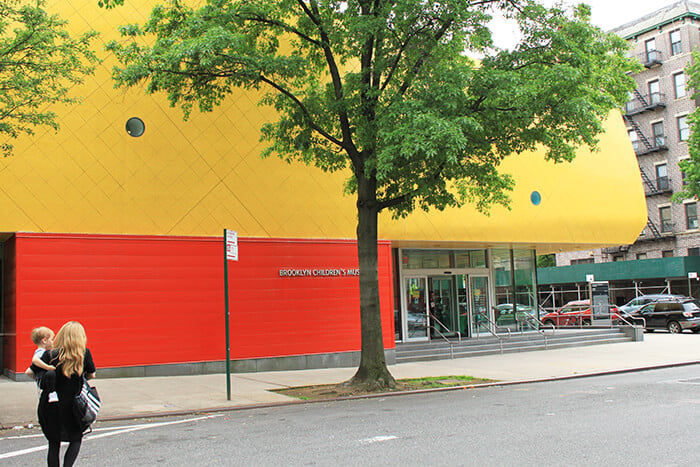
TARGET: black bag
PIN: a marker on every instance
(86, 405)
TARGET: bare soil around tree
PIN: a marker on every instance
(339, 390)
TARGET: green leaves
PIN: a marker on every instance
(39, 64)
(691, 167)
(109, 3)
(384, 87)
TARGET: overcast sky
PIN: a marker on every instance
(612, 13)
(606, 14)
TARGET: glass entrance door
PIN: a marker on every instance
(416, 309)
(442, 305)
(480, 304)
(460, 302)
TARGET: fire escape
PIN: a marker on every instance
(643, 146)
(640, 104)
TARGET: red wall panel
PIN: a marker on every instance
(157, 300)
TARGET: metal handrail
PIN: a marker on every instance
(491, 329)
(452, 354)
(433, 317)
(540, 327)
(634, 318)
(534, 320)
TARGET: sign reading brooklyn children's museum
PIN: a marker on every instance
(337, 272)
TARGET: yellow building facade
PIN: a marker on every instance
(195, 178)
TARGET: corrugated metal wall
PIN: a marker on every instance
(157, 300)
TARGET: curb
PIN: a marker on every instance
(394, 393)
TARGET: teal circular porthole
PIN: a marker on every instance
(135, 127)
(536, 198)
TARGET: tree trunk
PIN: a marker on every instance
(372, 373)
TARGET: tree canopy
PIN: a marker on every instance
(691, 167)
(386, 90)
(39, 62)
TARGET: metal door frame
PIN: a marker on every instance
(489, 305)
(404, 311)
(446, 272)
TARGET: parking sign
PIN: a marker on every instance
(231, 245)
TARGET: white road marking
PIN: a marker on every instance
(96, 430)
(21, 437)
(109, 432)
(22, 452)
(377, 439)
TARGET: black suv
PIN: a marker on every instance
(674, 315)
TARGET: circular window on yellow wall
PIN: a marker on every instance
(135, 127)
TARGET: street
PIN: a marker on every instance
(643, 418)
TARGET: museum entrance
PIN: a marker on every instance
(446, 306)
(459, 305)
(464, 293)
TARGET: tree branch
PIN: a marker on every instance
(284, 26)
(404, 198)
(419, 63)
(393, 67)
(304, 110)
(337, 81)
(395, 201)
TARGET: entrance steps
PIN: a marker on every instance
(438, 349)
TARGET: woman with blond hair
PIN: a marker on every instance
(72, 360)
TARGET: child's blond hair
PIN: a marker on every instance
(41, 333)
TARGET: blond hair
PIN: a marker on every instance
(41, 333)
(70, 342)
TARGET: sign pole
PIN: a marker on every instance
(230, 254)
(691, 275)
(226, 314)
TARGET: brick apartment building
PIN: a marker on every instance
(656, 121)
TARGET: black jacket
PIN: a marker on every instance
(56, 418)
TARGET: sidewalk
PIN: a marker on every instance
(137, 397)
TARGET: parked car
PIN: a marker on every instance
(504, 314)
(638, 302)
(575, 313)
(674, 315)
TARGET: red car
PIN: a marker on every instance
(576, 313)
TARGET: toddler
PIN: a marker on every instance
(43, 338)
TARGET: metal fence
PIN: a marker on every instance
(553, 297)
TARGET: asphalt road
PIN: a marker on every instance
(644, 418)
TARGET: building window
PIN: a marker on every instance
(657, 131)
(665, 218)
(651, 52)
(654, 92)
(675, 42)
(431, 259)
(695, 251)
(667, 254)
(661, 177)
(634, 139)
(618, 258)
(691, 216)
(582, 261)
(683, 129)
(679, 85)
(641, 256)
(135, 127)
